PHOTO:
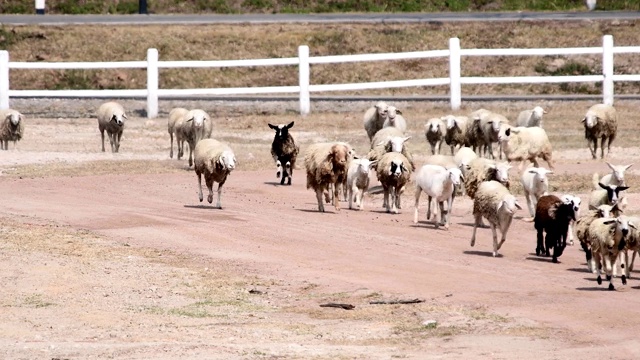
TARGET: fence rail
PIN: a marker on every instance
(304, 61)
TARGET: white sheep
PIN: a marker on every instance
(327, 164)
(434, 131)
(607, 240)
(176, 115)
(374, 118)
(632, 245)
(535, 184)
(11, 127)
(616, 177)
(394, 173)
(582, 229)
(463, 158)
(358, 181)
(531, 117)
(215, 160)
(600, 122)
(494, 202)
(522, 144)
(111, 117)
(196, 126)
(395, 119)
(438, 183)
(457, 131)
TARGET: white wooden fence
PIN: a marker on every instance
(304, 87)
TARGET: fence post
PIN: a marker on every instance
(4, 79)
(454, 73)
(607, 69)
(305, 101)
(40, 7)
(152, 83)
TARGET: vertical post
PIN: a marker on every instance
(152, 83)
(40, 7)
(305, 100)
(142, 6)
(4, 79)
(607, 69)
(454, 73)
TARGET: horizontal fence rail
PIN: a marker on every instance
(304, 61)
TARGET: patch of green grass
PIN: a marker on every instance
(36, 301)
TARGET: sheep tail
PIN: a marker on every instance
(595, 180)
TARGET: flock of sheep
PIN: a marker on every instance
(334, 171)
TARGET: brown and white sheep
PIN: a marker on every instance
(11, 127)
(600, 122)
(394, 173)
(327, 165)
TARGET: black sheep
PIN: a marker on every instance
(552, 216)
(284, 151)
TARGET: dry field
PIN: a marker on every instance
(111, 255)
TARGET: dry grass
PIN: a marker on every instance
(209, 42)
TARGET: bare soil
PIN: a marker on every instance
(111, 255)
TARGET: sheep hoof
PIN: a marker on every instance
(210, 199)
(554, 260)
(571, 242)
(608, 277)
(599, 280)
(611, 287)
(495, 254)
(278, 175)
(289, 181)
(538, 252)
(624, 280)
(446, 226)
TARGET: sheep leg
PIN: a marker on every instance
(540, 246)
(4, 145)
(624, 261)
(209, 180)
(595, 148)
(386, 199)
(527, 196)
(101, 134)
(398, 194)
(416, 205)
(608, 270)
(199, 185)
(394, 199)
(118, 136)
(336, 196)
(476, 223)
(171, 150)
(453, 148)
(218, 203)
(289, 169)
(429, 207)
(444, 214)
(278, 169)
(361, 199)
(608, 145)
(504, 228)
(319, 198)
(633, 258)
(496, 246)
(191, 147)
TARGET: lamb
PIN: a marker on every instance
(535, 184)
(326, 164)
(463, 158)
(576, 201)
(530, 118)
(438, 183)
(457, 130)
(582, 228)
(608, 194)
(632, 245)
(394, 173)
(434, 132)
(374, 118)
(616, 177)
(173, 126)
(196, 126)
(608, 238)
(553, 216)
(600, 122)
(395, 119)
(358, 181)
(494, 202)
(481, 170)
(284, 151)
(11, 127)
(387, 140)
(521, 144)
(475, 137)
(111, 117)
(215, 160)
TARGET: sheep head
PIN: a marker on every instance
(433, 126)
(119, 119)
(538, 111)
(618, 171)
(338, 156)
(501, 172)
(396, 144)
(508, 204)
(456, 176)
(14, 117)
(198, 118)
(590, 120)
(613, 192)
(450, 121)
(397, 168)
(382, 109)
(541, 175)
(282, 130)
(227, 161)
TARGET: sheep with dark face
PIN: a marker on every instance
(553, 216)
(111, 117)
(607, 195)
(284, 151)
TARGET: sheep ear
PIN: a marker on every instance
(610, 166)
(532, 171)
(273, 126)
(602, 185)
(461, 177)
(125, 116)
(398, 111)
(372, 164)
(632, 225)
(381, 143)
(405, 139)
(609, 222)
(290, 125)
(518, 205)
(583, 119)
(190, 119)
(622, 188)
(626, 166)
(235, 161)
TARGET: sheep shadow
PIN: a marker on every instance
(472, 224)
(593, 288)
(374, 190)
(424, 224)
(202, 206)
(582, 270)
(318, 212)
(545, 259)
(481, 253)
(274, 183)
